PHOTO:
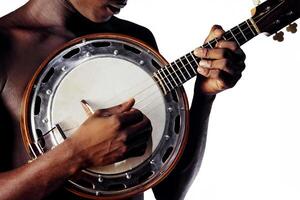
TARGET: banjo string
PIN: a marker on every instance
(166, 79)
(240, 33)
(179, 70)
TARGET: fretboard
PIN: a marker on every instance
(183, 69)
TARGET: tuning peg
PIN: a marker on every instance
(292, 28)
(278, 36)
(256, 2)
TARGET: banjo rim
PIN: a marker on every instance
(24, 116)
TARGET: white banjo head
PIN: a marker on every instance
(105, 71)
(102, 85)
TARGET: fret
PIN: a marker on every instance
(234, 37)
(184, 66)
(190, 65)
(250, 28)
(163, 80)
(239, 36)
(246, 31)
(180, 70)
(170, 74)
(167, 78)
(175, 72)
(216, 41)
(254, 26)
(209, 44)
(228, 36)
(242, 32)
(196, 62)
(187, 66)
(159, 81)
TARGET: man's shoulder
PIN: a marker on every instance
(135, 30)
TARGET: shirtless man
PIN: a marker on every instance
(28, 35)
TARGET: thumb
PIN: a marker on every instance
(123, 107)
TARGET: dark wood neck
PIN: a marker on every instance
(183, 69)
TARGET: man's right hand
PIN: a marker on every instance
(111, 135)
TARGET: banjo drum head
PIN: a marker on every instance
(105, 70)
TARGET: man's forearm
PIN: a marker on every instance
(37, 179)
(188, 166)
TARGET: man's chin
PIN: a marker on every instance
(101, 19)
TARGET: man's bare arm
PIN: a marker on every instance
(220, 68)
(186, 170)
(40, 177)
(99, 141)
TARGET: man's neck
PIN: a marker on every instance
(57, 14)
(49, 13)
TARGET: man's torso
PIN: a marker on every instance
(23, 49)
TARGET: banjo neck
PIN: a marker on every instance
(269, 17)
(184, 68)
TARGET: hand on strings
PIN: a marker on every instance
(220, 67)
(111, 135)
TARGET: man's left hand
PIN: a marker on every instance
(222, 66)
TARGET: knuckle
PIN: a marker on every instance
(98, 113)
(216, 26)
(225, 63)
(123, 149)
(221, 85)
(138, 112)
(241, 67)
(122, 137)
(115, 120)
(209, 63)
(241, 54)
(223, 53)
(234, 46)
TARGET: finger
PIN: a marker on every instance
(204, 71)
(114, 156)
(229, 80)
(238, 53)
(222, 64)
(130, 117)
(138, 137)
(216, 53)
(140, 128)
(233, 46)
(126, 106)
(135, 151)
(215, 32)
(133, 135)
(87, 108)
(221, 80)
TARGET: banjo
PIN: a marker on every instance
(106, 69)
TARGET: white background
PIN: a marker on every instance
(253, 147)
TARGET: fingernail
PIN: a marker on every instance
(200, 70)
(218, 32)
(204, 63)
(130, 100)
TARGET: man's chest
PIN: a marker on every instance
(21, 64)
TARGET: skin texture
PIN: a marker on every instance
(96, 11)
(31, 33)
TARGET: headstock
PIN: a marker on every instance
(273, 15)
